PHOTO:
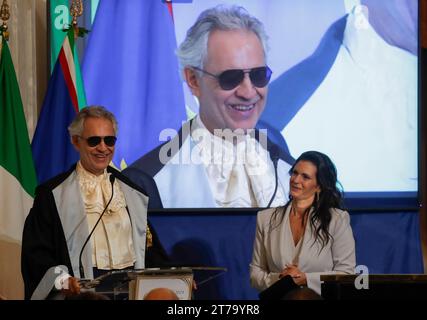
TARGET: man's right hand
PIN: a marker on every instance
(70, 287)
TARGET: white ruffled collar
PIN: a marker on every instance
(240, 174)
(96, 191)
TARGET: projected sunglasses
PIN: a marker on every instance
(229, 79)
(95, 140)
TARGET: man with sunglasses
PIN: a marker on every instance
(91, 204)
(218, 159)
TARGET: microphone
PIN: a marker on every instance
(274, 155)
(82, 272)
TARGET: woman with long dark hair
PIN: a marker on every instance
(309, 236)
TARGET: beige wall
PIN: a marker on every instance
(29, 47)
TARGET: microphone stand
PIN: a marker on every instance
(82, 272)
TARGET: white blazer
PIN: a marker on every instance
(275, 248)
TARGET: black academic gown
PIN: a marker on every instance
(44, 244)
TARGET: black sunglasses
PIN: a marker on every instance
(95, 140)
(229, 79)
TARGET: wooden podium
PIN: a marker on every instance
(380, 286)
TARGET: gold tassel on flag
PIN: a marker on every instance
(76, 10)
(4, 15)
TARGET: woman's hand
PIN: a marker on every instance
(297, 275)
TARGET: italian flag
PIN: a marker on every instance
(17, 177)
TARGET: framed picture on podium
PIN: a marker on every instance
(180, 281)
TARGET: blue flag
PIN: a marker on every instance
(131, 69)
(52, 150)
